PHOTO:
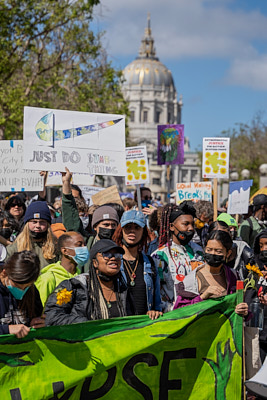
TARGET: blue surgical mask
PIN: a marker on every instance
(17, 292)
(81, 255)
(145, 203)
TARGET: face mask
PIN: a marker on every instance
(199, 224)
(145, 203)
(57, 214)
(214, 260)
(263, 256)
(6, 232)
(38, 235)
(16, 292)
(81, 255)
(105, 233)
(85, 221)
(185, 237)
(233, 234)
(130, 245)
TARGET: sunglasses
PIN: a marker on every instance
(109, 255)
(147, 198)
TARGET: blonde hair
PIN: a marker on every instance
(24, 242)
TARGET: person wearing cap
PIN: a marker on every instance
(74, 254)
(104, 220)
(253, 225)
(175, 258)
(100, 293)
(138, 268)
(36, 235)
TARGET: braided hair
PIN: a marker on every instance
(98, 306)
(169, 213)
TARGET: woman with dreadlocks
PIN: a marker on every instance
(100, 293)
(174, 256)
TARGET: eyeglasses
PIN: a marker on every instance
(109, 255)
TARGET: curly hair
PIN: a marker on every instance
(204, 207)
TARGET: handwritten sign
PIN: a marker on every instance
(136, 165)
(194, 191)
(109, 195)
(239, 193)
(84, 142)
(54, 178)
(215, 163)
(13, 176)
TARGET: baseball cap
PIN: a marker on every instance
(103, 245)
(133, 216)
(228, 219)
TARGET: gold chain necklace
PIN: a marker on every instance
(131, 272)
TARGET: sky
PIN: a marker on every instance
(215, 49)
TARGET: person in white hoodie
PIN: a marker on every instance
(74, 254)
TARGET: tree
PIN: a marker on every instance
(49, 57)
(248, 148)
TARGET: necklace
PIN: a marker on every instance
(109, 305)
(131, 272)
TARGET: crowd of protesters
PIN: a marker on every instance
(65, 262)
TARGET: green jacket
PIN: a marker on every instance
(50, 277)
(37, 249)
(72, 222)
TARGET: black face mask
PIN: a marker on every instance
(38, 235)
(105, 233)
(107, 278)
(233, 234)
(130, 245)
(185, 237)
(6, 232)
(263, 256)
(214, 260)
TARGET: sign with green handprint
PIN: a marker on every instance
(191, 353)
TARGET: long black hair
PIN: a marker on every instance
(221, 236)
(24, 267)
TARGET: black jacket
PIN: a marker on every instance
(77, 309)
(9, 309)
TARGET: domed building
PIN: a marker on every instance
(149, 88)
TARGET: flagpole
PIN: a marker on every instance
(138, 192)
(215, 198)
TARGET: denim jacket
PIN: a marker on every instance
(151, 278)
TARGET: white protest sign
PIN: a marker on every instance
(215, 163)
(13, 176)
(84, 142)
(239, 193)
(89, 191)
(54, 178)
(136, 165)
(194, 191)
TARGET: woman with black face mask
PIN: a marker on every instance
(213, 278)
(174, 256)
(36, 235)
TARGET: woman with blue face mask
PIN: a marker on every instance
(20, 304)
(74, 254)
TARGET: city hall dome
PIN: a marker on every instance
(146, 69)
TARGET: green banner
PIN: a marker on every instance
(191, 353)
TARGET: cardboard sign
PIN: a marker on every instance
(215, 163)
(54, 178)
(84, 142)
(170, 144)
(136, 165)
(239, 193)
(13, 176)
(89, 191)
(194, 191)
(109, 195)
